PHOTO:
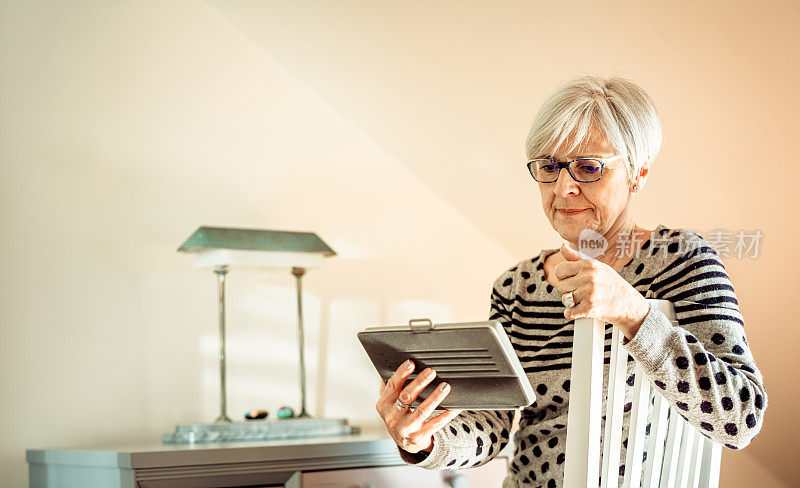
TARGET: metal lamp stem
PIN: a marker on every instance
(221, 271)
(298, 274)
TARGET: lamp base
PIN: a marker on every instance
(267, 430)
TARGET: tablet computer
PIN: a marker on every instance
(475, 358)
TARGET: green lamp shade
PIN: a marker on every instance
(218, 246)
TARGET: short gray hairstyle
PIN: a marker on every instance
(619, 108)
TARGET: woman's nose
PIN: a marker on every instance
(565, 184)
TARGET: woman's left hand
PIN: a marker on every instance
(599, 292)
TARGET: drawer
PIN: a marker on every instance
(489, 475)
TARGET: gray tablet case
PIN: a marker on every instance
(475, 358)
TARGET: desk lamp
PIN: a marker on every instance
(221, 248)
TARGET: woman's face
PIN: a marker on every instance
(604, 203)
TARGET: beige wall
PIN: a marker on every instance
(124, 128)
(394, 132)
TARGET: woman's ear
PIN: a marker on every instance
(639, 181)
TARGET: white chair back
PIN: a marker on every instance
(678, 456)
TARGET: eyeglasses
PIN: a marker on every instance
(583, 170)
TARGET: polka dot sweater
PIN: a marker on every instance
(703, 367)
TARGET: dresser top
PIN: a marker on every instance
(373, 444)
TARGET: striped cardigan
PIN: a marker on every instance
(703, 367)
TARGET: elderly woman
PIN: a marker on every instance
(590, 150)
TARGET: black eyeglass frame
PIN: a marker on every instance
(566, 164)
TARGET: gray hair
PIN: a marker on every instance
(619, 108)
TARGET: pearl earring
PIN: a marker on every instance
(636, 188)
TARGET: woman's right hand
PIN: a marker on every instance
(408, 428)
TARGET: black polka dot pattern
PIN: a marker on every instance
(744, 394)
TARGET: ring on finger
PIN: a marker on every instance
(568, 299)
(402, 406)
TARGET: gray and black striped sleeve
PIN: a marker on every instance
(703, 366)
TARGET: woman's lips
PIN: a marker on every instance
(571, 211)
